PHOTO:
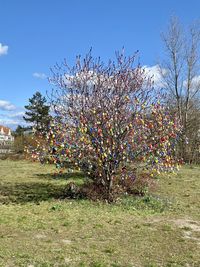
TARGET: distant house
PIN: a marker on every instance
(5, 134)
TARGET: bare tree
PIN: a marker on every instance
(181, 74)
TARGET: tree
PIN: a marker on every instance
(38, 113)
(111, 124)
(19, 131)
(19, 141)
(180, 73)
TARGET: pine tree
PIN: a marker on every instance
(38, 113)
(19, 131)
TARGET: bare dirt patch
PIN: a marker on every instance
(189, 228)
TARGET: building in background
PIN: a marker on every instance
(5, 134)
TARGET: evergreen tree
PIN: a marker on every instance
(38, 113)
(19, 131)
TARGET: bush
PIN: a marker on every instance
(138, 186)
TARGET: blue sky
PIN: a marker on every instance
(35, 34)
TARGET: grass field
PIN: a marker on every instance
(40, 229)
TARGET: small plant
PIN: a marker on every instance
(56, 207)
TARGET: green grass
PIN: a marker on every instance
(39, 228)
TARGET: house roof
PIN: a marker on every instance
(5, 129)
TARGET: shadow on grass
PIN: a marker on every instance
(64, 176)
(30, 192)
(43, 189)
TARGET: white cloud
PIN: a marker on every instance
(6, 105)
(154, 73)
(196, 80)
(3, 49)
(9, 122)
(195, 83)
(12, 119)
(18, 115)
(39, 75)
